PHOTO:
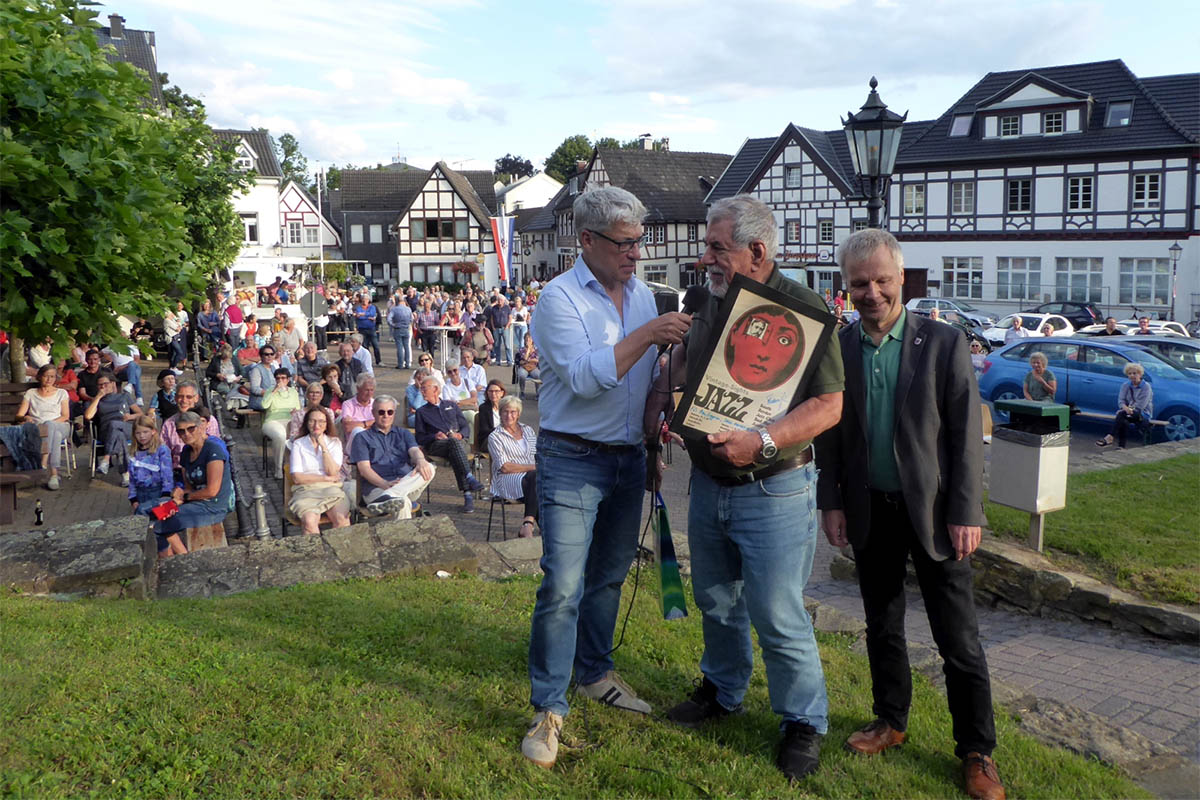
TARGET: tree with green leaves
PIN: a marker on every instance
(561, 163)
(93, 183)
(510, 167)
(291, 160)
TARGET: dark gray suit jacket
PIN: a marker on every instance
(938, 439)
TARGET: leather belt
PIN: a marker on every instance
(805, 456)
(588, 443)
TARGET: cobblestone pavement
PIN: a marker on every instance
(1149, 686)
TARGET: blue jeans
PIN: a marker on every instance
(403, 340)
(132, 373)
(371, 342)
(178, 350)
(590, 507)
(502, 351)
(752, 552)
(518, 331)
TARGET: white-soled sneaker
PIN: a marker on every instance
(613, 691)
(540, 744)
(393, 505)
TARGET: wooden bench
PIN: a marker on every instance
(8, 495)
(204, 537)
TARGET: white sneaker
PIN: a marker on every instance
(53, 484)
(540, 744)
(613, 691)
(124, 478)
(103, 468)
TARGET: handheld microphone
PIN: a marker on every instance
(694, 299)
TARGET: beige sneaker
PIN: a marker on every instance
(541, 741)
(613, 691)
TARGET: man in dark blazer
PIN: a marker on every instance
(902, 475)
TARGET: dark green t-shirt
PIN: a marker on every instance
(828, 378)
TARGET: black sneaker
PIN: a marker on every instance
(798, 750)
(701, 707)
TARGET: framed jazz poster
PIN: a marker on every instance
(767, 347)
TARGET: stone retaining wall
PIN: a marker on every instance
(102, 558)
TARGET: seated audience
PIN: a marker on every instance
(362, 354)
(488, 418)
(331, 387)
(391, 467)
(163, 402)
(1040, 383)
(113, 411)
(260, 377)
(312, 399)
(151, 479)
(349, 368)
(1135, 405)
(425, 360)
(316, 466)
(357, 412)
(48, 407)
(473, 373)
(206, 494)
(187, 397)
(126, 359)
(278, 405)
(309, 365)
(527, 364)
(412, 395)
(513, 448)
(441, 429)
(225, 376)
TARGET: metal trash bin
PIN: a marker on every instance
(1029, 460)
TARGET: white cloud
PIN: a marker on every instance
(341, 78)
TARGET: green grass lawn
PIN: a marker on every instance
(417, 687)
(1134, 527)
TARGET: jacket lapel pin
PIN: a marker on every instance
(917, 340)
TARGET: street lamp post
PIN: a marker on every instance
(873, 135)
(1175, 250)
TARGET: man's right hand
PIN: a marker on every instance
(668, 328)
(654, 470)
(834, 523)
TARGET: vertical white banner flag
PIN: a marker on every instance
(502, 235)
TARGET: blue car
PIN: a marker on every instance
(1090, 373)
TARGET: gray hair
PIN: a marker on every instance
(357, 338)
(383, 398)
(861, 245)
(420, 374)
(508, 401)
(188, 384)
(189, 418)
(601, 209)
(362, 378)
(1039, 357)
(427, 379)
(752, 219)
(1133, 367)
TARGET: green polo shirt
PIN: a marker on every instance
(881, 367)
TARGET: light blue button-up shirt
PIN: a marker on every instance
(575, 327)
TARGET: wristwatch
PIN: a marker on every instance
(769, 450)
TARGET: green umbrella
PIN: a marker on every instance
(674, 605)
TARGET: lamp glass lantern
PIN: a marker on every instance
(873, 136)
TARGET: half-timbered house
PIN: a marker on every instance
(304, 230)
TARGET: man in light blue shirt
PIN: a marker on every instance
(595, 328)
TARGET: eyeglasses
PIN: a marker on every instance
(424, 360)
(266, 352)
(187, 429)
(622, 247)
(386, 412)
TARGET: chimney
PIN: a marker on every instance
(580, 166)
(647, 141)
(116, 26)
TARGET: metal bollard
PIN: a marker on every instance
(260, 509)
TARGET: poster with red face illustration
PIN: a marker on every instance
(763, 349)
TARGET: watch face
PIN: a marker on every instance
(769, 451)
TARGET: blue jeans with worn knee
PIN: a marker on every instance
(590, 507)
(752, 552)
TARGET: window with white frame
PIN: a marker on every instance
(1020, 195)
(1053, 122)
(1147, 189)
(356, 234)
(660, 234)
(858, 225)
(242, 161)
(294, 233)
(962, 197)
(312, 235)
(914, 198)
(962, 276)
(1018, 278)
(1145, 281)
(792, 231)
(1010, 126)
(791, 177)
(961, 125)
(439, 229)
(1078, 279)
(1079, 193)
(376, 234)
(655, 273)
(250, 228)
(693, 232)
(825, 231)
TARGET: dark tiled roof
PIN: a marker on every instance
(379, 190)
(135, 48)
(544, 219)
(743, 164)
(670, 184)
(1179, 95)
(267, 165)
(475, 187)
(1103, 80)
(525, 216)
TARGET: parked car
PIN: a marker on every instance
(1176, 349)
(1080, 314)
(970, 329)
(944, 305)
(666, 298)
(1031, 322)
(1090, 373)
(1159, 326)
(1100, 327)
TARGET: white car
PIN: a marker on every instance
(1060, 325)
(1160, 327)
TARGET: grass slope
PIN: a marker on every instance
(416, 687)
(1134, 527)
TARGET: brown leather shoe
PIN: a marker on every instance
(981, 778)
(875, 738)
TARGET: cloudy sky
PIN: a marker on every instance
(466, 81)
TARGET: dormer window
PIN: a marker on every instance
(961, 126)
(1053, 122)
(1010, 126)
(574, 185)
(1119, 114)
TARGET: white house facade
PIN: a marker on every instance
(258, 206)
(304, 231)
(532, 191)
